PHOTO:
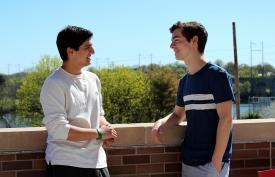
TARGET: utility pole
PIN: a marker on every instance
(9, 69)
(252, 82)
(251, 54)
(96, 63)
(108, 64)
(237, 89)
(251, 75)
(151, 59)
(263, 58)
(139, 57)
(18, 68)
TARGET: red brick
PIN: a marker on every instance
(120, 151)
(244, 173)
(7, 174)
(39, 164)
(124, 169)
(30, 156)
(31, 173)
(244, 154)
(151, 150)
(152, 168)
(257, 163)
(7, 157)
(137, 159)
(263, 153)
(16, 165)
(157, 158)
(173, 149)
(114, 160)
(238, 146)
(257, 145)
(273, 152)
(237, 164)
(173, 167)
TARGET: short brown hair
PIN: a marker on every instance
(191, 29)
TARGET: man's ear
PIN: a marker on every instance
(195, 41)
(70, 51)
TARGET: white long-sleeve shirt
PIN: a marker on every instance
(72, 100)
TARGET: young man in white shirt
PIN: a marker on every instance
(73, 112)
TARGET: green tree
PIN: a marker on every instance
(6, 105)
(126, 94)
(219, 62)
(229, 67)
(269, 69)
(178, 68)
(28, 105)
(164, 83)
(2, 80)
(244, 70)
(245, 89)
(7, 96)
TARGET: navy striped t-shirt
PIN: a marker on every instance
(198, 94)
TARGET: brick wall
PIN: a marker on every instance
(134, 155)
(144, 161)
(24, 164)
(137, 161)
(248, 158)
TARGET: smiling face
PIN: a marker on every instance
(81, 57)
(180, 45)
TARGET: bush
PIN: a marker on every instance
(28, 104)
(252, 115)
(126, 95)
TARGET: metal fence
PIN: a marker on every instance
(256, 104)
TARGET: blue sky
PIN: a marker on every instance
(125, 30)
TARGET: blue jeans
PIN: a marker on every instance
(206, 170)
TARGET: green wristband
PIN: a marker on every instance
(100, 135)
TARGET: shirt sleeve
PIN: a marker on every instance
(179, 100)
(100, 96)
(52, 98)
(222, 87)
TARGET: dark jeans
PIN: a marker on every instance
(68, 171)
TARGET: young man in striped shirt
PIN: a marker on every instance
(204, 98)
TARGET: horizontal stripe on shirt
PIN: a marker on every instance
(200, 106)
(198, 97)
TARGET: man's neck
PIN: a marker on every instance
(71, 69)
(195, 64)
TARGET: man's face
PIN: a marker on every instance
(180, 45)
(82, 57)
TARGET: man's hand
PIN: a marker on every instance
(156, 131)
(217, 164)
(108, 132)
(108, 142)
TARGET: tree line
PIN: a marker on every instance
(130, 94)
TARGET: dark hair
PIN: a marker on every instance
(73, 37)
(191, 29)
